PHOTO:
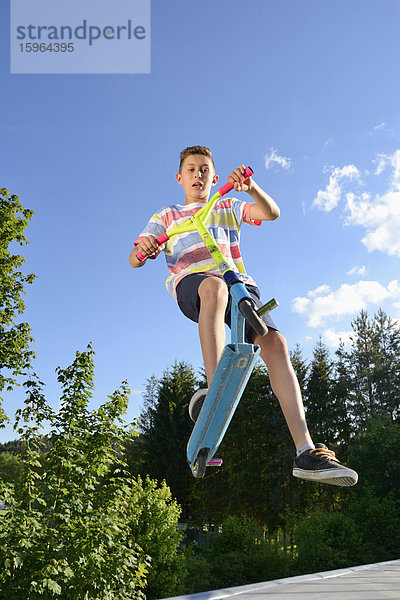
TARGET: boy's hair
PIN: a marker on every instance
(195, 150)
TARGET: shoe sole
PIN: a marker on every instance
(342, 478)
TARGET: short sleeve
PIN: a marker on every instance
(241, 210)
(154, 227)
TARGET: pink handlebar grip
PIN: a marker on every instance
(248, 172)
(160, 240)
(140, 256)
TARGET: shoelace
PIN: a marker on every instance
(324, 453)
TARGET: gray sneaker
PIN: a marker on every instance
(196, 403)
(322, 466)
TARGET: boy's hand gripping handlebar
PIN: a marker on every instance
(164, 237)
(248, 172)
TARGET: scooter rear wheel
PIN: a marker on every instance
(200, 464)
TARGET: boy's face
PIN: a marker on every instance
(197, 177)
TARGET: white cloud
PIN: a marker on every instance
(381, 127)
(379, 215)
(383, 161)
(346, 300)
(333, 338)
(393, 160)
(319, 291)
(273, 157)
(358, 271)
(329, 198)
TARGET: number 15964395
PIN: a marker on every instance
(43, 47)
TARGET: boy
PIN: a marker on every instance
(202, 296)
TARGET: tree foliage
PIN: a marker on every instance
(318, 399)
(328, 540)
(153, 517)
(240, 554)
(165, 429)
(15, 337)
(373, 367)
(78, 525)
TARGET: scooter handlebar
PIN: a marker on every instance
(248, 172)
(160, 240)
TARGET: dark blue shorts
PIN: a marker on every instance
(189, 302)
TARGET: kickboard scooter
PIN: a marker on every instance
(238, 358)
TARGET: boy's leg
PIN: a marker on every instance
(213, 294)
(315, 464)
(285, 385)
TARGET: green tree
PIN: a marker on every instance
(15, 356)
(72, 530)
(136, 449)
(386, 375)
(10, 467)
(327, 540)
(318, 401)
(240, 554)
(255, 479)
(165, 428)
(153, 516)
(373, 367)
(300, 367)
(374, 452)
(263, 460)
(14, 447)
(360, 363)
(342, 397)
(378, 521)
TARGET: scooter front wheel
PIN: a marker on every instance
(247, 309)
(200, 464)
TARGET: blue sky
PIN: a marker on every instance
(307, 93)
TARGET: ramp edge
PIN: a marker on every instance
(234, 591)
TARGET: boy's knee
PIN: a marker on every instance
(213, 290)
(275, 342)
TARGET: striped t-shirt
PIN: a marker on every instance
(186, 253)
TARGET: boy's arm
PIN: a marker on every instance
(265, 208)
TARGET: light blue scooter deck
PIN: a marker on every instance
(229, 381)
